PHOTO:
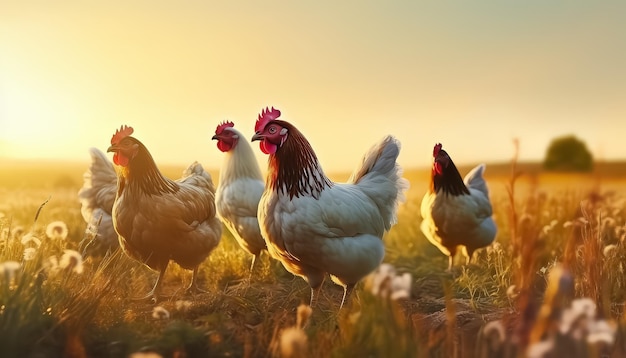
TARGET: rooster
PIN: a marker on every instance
(315, 226)
(239, 190)
(159, 219)
(96, 197)
(457, 212)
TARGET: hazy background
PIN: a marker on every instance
(472, 75)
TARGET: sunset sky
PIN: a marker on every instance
(472, 75)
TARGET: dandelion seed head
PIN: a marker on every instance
(303, 314)
(601, 331)
(183, 305)
(495, 329)
(159, 312)
(18, 232)
(540, 349)
(57, 230)
(512, 292)
(72, 260)
(293, 343)
(29, 253)
(30, 238)
(608, 249)
(10, 268)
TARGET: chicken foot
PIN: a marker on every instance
(154, 296)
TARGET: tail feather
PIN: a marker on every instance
(195, 171)
(475, 180)
(99, 185)
(380, 177)
(97, 196)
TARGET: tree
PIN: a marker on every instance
(568, 153)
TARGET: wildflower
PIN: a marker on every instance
(577, 317)
(183, 305)
(608, 249)
(57, 230)
(72, 260)
(303, 314)
(401, 287)
(540, 349)
(9, 268)
(18, 232)
(601, 331)
(495, 329)
(29, 253)
(159, 312)
(512, 292)
(293, 343)
(379, 279)
(28, 238)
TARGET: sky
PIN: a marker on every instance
(472, 75)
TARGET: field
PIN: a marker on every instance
(552, 285)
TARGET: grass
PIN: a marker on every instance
(561, 238)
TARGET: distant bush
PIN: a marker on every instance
(569, 154)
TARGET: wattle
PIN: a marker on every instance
(120, 160)
(223, 146)
(268, 148)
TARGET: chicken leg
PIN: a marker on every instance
(154, 295)
(193, 286)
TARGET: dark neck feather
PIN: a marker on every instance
(450, 181)
(294, 168)
(143, 175)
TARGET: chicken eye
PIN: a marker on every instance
(272, 130)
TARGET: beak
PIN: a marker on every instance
(257, 136)
(215, 137)
(112, 148)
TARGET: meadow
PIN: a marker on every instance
(552, 285)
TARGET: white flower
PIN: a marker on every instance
(10, 268)
(18, 232)
(159, 312)
(72, 260)
(57, 230)
(608, 249)
(293, 343)
(601, 331)
(540, 349)
(385, 283)
(28, 238)
(303, 314)
(183, 305)
(401, 286)
(512, 292)
(29, 253)
(496, 330)
(575, 319)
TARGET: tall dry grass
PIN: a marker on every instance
(561, 238)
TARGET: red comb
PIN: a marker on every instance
(121, 133)
(265, 117)
(220, 127)
(436, 150)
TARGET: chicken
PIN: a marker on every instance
(158, 219)
(315, 226)
(457, 212)
(239, 190)
(96, 197)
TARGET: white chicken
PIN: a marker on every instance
(239, 190)
(457, 212)
(97, 196)
(316, 227)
